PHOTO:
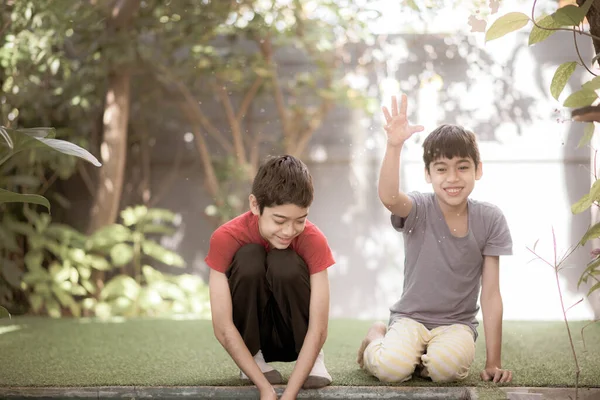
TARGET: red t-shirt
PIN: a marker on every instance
(311, 244)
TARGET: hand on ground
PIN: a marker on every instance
(496, 375)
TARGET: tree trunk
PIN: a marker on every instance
(113, 148)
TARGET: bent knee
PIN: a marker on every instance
(440, 369)
(388, 367)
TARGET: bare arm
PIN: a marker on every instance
(228, 335)
(491, 307)
(398, 131)
(315, 336)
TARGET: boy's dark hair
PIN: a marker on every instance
(283, 180)
(450, 141)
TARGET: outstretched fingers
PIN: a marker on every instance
(394, 106)
(386, 114)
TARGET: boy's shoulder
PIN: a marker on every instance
(240, 225)
(486, 208)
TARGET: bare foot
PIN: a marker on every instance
(376, 331)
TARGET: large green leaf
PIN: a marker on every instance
(161, 254)
(587, 199)
(25, 139)
(121, 254)
(108, 236)
(591, 233)
(120, 286)
(581, 98)
(588, 133)
(71, 149)
(571, 15)
(505, 24)
(12, 197)
(539, 34)
(6, 138)
(561, 77)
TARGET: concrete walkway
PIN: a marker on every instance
(333, 392)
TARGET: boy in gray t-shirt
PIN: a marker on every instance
(452, 245)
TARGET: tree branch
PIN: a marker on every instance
(238, 144)
(248, 97)
(267, 52)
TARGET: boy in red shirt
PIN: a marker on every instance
(269, 288)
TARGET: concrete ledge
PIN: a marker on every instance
(239, 392)
(524, 393)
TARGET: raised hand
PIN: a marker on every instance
(397, 127)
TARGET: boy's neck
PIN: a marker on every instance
(453, 211)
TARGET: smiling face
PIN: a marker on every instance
(453, 180)
(279, 225)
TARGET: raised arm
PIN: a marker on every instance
(398, 131)
(229, 337)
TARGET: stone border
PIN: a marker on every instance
(238, 392)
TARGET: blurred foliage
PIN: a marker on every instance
(56, 273)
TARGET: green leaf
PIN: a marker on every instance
(569, 15)
(4, 313)
(11, 272)
(588, 133)
(593, 84)
(591, 233)
(6, 137)
(63, 297)
(108, 236)
(121, 254)
(59, 273)
(538, 34)
(561, 77)
(152, 275)
(507, 23)
(120, 286)
(587, 199)
(581, 98)
(71, 149)
(412, 4)
(586, 7)
(97, 262)
(594, 288)
(12, 197)
(159, 253)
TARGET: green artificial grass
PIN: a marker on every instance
(162, 352)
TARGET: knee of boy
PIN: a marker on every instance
(280, 264)
(251, 258)
(385, 368)
(443, 369)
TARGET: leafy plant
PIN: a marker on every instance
(140, 289)
(567, 18)
(15, 141)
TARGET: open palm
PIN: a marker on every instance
(397, 127)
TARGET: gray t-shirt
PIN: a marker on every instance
(442, 273)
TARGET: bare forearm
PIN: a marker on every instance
(491, 307)
(233, 343)
(313, 342)
(389, 176)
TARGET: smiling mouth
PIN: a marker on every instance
(453, 191)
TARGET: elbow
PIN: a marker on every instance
(222, 335)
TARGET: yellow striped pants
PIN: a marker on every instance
(445, 353)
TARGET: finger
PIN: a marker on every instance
(485, 376)
(509, 376)
(403, 105)
(506, 376)
(416, 128)
(386, 114)
(394, 106)
(497, 376)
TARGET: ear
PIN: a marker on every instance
(479, 172)
(254, 205)
(427, 176)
